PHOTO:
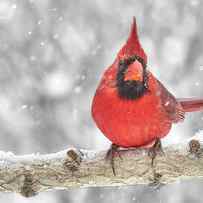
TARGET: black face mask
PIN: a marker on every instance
(130, 89)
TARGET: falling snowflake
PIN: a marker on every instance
(7, 10)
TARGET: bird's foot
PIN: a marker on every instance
(155, 181)
(111, 153)
(154, 150)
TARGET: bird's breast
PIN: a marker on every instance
(129, 123)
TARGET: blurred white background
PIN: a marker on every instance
(52, 55)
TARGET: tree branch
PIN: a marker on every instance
(29, 174)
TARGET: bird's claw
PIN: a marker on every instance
(156, 184)
(111, 153)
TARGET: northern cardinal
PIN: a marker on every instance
(131, 107)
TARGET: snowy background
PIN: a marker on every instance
(52, 54)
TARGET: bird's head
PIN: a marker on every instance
(131, 75)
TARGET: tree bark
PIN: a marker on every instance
(73, 168)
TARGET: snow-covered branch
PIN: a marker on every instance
(30, 174)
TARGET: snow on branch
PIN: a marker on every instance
(73, 168)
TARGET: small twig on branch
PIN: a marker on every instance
(72, 168)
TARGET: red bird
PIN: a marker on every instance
(131, 107)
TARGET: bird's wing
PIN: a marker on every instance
(173, 108)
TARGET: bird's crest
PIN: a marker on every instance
(133, 46)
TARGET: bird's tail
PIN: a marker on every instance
(191, 104)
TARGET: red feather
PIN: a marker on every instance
(133, 46)
(191, 104)
(140, 121)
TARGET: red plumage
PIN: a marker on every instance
(137, 119)
(191, 104)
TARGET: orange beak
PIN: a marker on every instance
(134, 72)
